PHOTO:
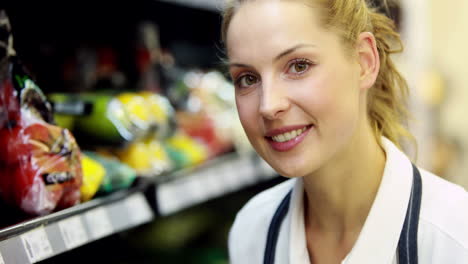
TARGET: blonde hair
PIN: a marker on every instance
(386, 100)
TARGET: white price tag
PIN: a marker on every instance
(195, 190)
(99, 223)
(167, 197)
(231, 175)
(215, 182)
(183, 192)
(1, 259)
(73, 232)
(37, 245)
(245, 170)
(138, 208)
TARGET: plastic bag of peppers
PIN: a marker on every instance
(40, 168)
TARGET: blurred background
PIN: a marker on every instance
(141, 87)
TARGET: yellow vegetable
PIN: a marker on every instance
(136, 155)
(136, 105)
(196, 152)
(93, 174)
(147, 157)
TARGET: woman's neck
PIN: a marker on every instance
(339, 196)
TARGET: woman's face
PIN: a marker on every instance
(297, 92)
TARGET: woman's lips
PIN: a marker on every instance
(289, 144)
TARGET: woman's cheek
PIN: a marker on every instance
(247, 108)
(314, 96)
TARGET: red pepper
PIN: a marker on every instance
(41, 168)
(15, 144)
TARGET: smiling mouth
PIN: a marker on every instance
(287, 136)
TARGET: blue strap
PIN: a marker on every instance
(407, 245)
(274, 228)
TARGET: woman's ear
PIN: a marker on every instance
(369, 60)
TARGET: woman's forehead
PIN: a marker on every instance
(262, 27)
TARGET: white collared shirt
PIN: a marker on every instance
(442, 233)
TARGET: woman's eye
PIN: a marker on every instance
(299, 67)
(246, 80)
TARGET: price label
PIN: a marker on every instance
(231, 175)
(99, 223)
(218, 181)
(168, 200)
(73, 232)
(183, 193)
(36, 245)
(1, 259)
(196, 190)
(138, 208)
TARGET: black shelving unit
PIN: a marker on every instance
(42, 45)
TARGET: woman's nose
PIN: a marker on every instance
(274, 102)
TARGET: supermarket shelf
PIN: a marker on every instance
(220, 177)
(47, 236)
(210, 5)
(44, 237)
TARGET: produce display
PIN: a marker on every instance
(99, 133)
(209, 113)
(63, 148)
(40, 163)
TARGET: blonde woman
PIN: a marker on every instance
(322, 102)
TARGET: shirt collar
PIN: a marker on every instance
(378, 240)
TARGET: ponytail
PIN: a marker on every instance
(387, 100)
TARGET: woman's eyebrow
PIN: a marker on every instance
(286, 52)
(279, 56)
(240, 65)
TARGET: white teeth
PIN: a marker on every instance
(288, 135)
(281, 138)
(293, 133)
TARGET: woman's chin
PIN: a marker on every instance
(290, 172)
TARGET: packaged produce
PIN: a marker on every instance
(162, 114)
(40, 169)
(137, 109)
(96, 119)
(114, 120)
(148, 157)
(209, 111)
(185, 151)
(93, 174)
(117, 176)
(201, 127)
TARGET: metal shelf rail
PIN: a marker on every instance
(46, 236)
(222, 176)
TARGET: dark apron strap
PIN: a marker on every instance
(273, 230)
(407, 245)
